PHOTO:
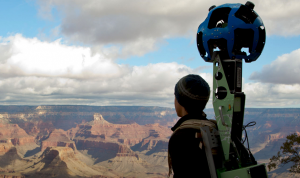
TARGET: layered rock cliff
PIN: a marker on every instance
(12, 133)
(101, 134)
(82, 143)
(57, 138)
(126, 139)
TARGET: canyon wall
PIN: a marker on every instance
(116, 138)
(57, 138)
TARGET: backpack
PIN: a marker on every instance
(195, 124)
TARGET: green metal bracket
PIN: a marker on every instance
(256, 171)
(223, 102)
(229, 105)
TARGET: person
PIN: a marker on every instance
(186, 158)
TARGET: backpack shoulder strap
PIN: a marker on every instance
(196, 124)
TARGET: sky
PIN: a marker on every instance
(133, 52)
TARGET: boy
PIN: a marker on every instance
(186, 158)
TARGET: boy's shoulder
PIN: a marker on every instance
(187, 118)
(196, 124)
(188, 128)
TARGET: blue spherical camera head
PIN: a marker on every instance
(232, 28)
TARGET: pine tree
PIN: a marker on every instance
(289, 152)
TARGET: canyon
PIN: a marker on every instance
(114, 141)
(56, 141)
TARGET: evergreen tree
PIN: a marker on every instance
(289, 152)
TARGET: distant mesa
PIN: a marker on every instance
(98, 119)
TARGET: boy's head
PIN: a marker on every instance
(192, 93)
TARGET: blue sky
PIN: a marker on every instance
(116, 53)
(21, 16)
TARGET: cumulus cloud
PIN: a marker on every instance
(283, 70)
(38, 72)
(280, 17)
(271, 95)
(126, 21)
(32, 57)
(102, 22)
(35, 72)
(134, 48)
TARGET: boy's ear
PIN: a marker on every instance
(180, 110)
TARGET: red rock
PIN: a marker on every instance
(129, 141)
(12, 133)
(149, 144)
(128, 134)
(58, 138)
(102, 135)
(97, 135)
(22, 141)
(88, 144)
(63, 153)
(38, 130)
(125, 151)
(5, 147)
(46, 144)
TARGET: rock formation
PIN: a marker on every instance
(100, 134)
(58, 137)
(129, 134)
(5, 147)
(68, 135)
(12, 136)
(113, 141)
(104, 148)
(12, 133)
(61, 162)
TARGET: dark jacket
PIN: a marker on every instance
(188, 160)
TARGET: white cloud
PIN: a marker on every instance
(283, 70)
(271, 95)
(134, 48)
(35, 72)
(40, 72)
(280, 17)
(32, 57)
(148, 22)
(268, 95)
